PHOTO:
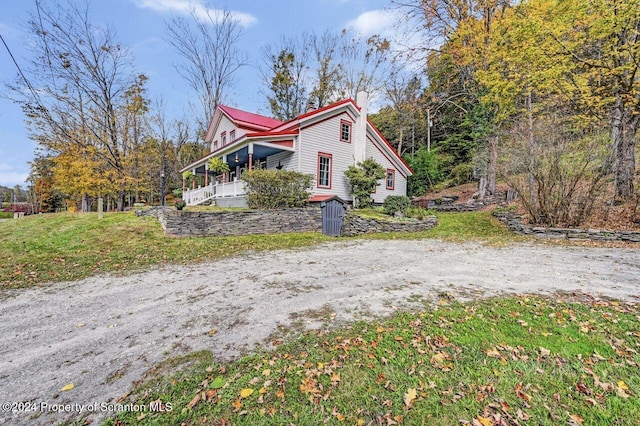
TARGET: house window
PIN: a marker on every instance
(232, 135)
(324, 170)
(215, 145)
(391, 179)
(223, 137)
(345, 131)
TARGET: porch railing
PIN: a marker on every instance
(199, 195)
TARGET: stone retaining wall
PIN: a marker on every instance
(242, 222)
(514, 223)
(357, 225)
(251, 222)
(457, 208)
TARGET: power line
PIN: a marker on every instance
(31, 89)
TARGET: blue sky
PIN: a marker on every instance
(140, 25)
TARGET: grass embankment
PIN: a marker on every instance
(57, 247)
(455, 227)
(509, 361)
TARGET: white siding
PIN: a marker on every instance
(400, 188)
(324, 137)
(226, 125)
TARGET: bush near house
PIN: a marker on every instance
(396, 203)
(276, 189)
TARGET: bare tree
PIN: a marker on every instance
(364, 63)
(317, 70)
(208, 43)
(75, 92)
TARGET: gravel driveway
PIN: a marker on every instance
(101, 334)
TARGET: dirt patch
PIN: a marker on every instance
(104, 333)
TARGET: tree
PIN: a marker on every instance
(47, 198)
(363, 179)
(597, 44)
(429, 169)
(82, 75)
(459, 34)
(314, 70)
(286, 78)
(550, 55)
(404, 93)
(328, 74)
(208, 42)
(363, 63)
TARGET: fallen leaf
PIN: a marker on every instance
(522, 415)
(493, 353)
(622, 385)
(213, 332)
(409, 397)
(67, 387)
(218, 382)
(438, 358)
(544, 352)
(484, 421)
(194, 401)
(575, 420)
(245, 393)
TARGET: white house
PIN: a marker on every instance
(321, 142)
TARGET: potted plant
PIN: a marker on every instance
(179, 203)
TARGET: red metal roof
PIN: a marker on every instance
(270, 133)
(249, 117)
(321, 197)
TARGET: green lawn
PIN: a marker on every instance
(506, 361)
(56, 247)
(67, 246)
(524, 360)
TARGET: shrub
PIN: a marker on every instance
(179, 203)
(418, 212)
(276, 189)
(461, 174)
(363, 180)
(25, 208)
(396, 203)
(429, 170)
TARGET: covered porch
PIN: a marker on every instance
(245, 154)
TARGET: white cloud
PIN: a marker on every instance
(374, 22)
(407, 41)
(184, 7)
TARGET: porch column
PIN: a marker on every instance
(206, 174)
(224, 174)
(184, 184)
(193, 185)
(250, 147)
